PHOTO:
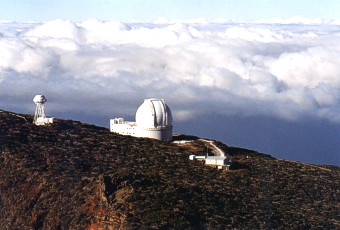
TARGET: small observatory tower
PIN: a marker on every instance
(39, 116)
(153, 120)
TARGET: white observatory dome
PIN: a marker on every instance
(154, 113)
(39, 99)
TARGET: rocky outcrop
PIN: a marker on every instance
(71, 175)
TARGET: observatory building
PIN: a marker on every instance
(153, 120)
(39, 116)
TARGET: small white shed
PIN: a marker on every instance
(215, 160)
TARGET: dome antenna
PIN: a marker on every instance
(153, 120)
(39, 116)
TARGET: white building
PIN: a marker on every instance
(220, 162)
(216, 160)
(153, 120)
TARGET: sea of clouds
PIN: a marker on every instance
(281, 70)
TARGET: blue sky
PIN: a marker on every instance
(149, 10)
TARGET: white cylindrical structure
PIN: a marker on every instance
(154, 120)
(192, 157)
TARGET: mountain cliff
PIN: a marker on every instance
(71, 175)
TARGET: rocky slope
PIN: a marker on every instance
(71, 175)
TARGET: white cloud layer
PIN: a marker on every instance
(279, 70)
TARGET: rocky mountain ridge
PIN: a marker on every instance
(71, 175)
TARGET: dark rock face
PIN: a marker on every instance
(71, 175)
